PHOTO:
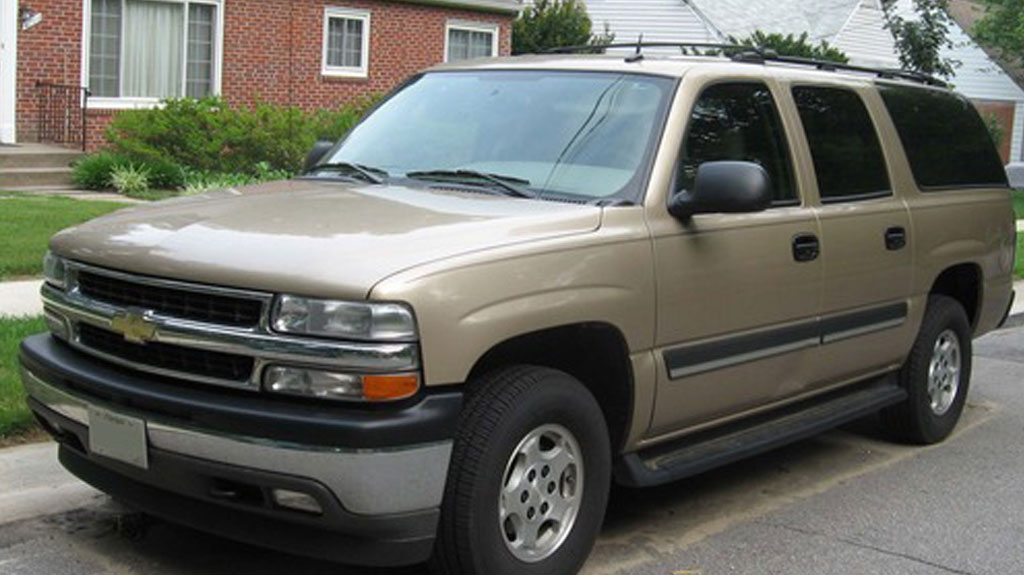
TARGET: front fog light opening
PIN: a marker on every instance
(296, 501)
(322, 384)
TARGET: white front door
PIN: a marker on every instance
(8, 69)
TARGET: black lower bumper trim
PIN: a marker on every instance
(178, 489)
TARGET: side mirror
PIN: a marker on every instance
(316, 154)
(724, 188)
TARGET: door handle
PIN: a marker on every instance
(895, 238)
(806, 248)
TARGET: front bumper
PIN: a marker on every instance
(213, 458)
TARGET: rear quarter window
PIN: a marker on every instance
(945, 139)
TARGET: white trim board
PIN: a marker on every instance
(1017, 137)
(8, 70)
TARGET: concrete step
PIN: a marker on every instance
(12, 179)
(56, 159)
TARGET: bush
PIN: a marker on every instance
(94, 172)
(130, 180)
(209, 136)
(197, 182)
(551, 24)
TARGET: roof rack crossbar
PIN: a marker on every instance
(751, 54)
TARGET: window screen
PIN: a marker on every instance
(945, 138)
(345, 42)
(199, 71)
(738, 122)
(848, 158)
(105, 48)
(467, 44)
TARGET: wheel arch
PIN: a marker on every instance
(962, 282)
(595, 353)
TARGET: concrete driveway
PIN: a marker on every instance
(847, 502)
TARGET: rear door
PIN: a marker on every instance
(736, 309)
(865, 233)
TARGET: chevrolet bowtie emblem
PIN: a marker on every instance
(134, 326)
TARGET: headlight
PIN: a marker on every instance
(323, 384)
(343, 319)
(53, 270)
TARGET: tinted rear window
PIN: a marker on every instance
(848, 159)
(945, 138)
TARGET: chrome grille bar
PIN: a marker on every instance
(259, 343)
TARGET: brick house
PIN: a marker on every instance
(309, 53)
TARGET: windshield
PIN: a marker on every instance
(559, 133)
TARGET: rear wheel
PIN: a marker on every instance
(936, 375)
(529, 477)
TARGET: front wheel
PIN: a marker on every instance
(936, 376)
(529, 477)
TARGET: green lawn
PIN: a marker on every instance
(1018, 269)
(14, 414)
(1018, 203)
(26, 224)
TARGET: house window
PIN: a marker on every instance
(148, 50)
(346, 42)
(468, 40)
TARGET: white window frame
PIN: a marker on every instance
(487, 27)
(8, 71)
(361, 71)
(126, 103)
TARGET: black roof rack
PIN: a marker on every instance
(751, 54)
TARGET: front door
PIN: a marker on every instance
(736, 309)
(8, 69)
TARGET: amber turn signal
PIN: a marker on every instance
(389, 387)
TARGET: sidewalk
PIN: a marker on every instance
(20, 298)
(77, 194)
(35, 485)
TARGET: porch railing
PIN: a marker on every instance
(62, 117)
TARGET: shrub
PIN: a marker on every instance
(197, 182)
(209, 136)
(130, 180)
(94, 172)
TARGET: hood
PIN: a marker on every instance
(309, 237)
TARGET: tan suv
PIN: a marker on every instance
(518, 280)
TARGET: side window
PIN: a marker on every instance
(945, 138)
(848, 158)
(738, 122)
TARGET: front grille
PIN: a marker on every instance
(172, 302)
(204, 363)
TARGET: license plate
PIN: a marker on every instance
(118, 437)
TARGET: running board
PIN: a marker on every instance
(698, 453)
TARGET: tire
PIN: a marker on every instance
(926, 418)
(510, 410)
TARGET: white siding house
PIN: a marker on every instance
(857, 27)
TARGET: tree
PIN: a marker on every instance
(1002, 28)
(552, 24)
(791, 45)
(920, 41)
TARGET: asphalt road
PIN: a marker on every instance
(848, 502)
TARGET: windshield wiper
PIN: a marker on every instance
(367, 173)
(511, 185)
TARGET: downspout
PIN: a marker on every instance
(713, 30)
